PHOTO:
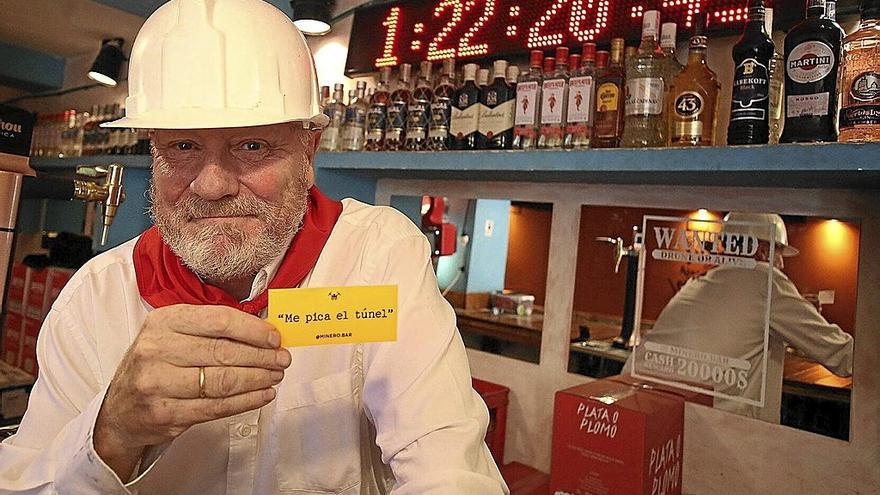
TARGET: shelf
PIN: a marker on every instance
(846, 166)
(797, 165)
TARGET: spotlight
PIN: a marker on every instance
(108, 63)
(312, 17)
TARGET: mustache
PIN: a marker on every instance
(194, 207)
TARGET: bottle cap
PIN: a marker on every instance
(562, 56)
(699, 24)
(425, 70)
(385, 74)
(535, 58)
(668, 31)
(405, 72)
(499, 69)
(589, 52)
(768, 19)
(470, 72)
(512, 73)
(449, 67)
(601, 59)
(650, 23)
(549, 65)
(575, 61)
(482, 77)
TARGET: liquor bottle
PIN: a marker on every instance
(831, 14)
(496, 111)
(645, 124)
(749, 117)
(89, 132)
(812, 56)
(528, 102)
(465, 119)
(335, 111)
(608, 123)
(777, 83)
(377, 116)
(629, 52)
(482, 78)
(418, 113)
(395, 131)
(860, 81)
(694, 104)
(355, 120)
(554, 99)
(581, 92)
(441, 108)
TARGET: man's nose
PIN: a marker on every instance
(215, 180)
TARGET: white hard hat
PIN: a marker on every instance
(761, 233)
(220, 63)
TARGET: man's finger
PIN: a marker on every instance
(192, 411)
(193, 351)
(222, 381)
(223, 322)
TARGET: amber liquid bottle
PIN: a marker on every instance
(694, 101)
(608, 125)
(860, 81)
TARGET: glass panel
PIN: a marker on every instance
(703, 320)
(493, 271)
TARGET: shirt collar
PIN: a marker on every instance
(264, 276)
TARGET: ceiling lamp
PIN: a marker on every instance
(108, 63)
(312, 17)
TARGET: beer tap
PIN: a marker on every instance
(110, 193)
(631, 253)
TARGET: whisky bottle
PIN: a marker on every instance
(749, 116)
(355, 120)
(441, 108)
(377, 116)
(777, 83)
(528, 102)
(496, 111)
(645, 124)
(581, 92)
(335, 110)
(554, 99)
(418, 112)
(694, 102)
(608, 123)
(325, 96)
(812, 56)
(465, 118)
(860, 81)
(395, 132)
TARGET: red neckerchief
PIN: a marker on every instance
(164, 280)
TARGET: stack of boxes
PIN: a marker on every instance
(31, 294)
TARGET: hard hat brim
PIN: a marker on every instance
(201, 118)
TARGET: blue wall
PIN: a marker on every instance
(488, 255)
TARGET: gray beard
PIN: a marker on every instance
(222, 252)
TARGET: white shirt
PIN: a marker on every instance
(723, 311)
(413, 396)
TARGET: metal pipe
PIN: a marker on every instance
(10, 196)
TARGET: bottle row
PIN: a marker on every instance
(631, 97)
(78, 133)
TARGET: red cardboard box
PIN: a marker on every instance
(36, 294)
(28, 360)
(12, 337)
(58, 278)
(613, 438)
(17, 287)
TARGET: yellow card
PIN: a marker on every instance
(334, 315)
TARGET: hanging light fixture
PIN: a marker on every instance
(312, 17)
(108, 63)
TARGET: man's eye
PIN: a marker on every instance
(183, 146)
(252, 146)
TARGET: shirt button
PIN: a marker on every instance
(245, 431)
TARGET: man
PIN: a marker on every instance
(157, 373)
(723, 313)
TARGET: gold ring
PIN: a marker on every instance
(201, 382)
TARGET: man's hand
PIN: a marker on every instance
(154, 396)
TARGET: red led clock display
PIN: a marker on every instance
(415, 30)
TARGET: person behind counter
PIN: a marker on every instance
(723, 313)
(157, 373)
